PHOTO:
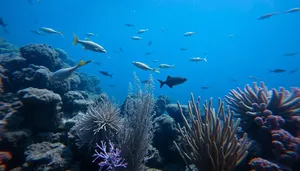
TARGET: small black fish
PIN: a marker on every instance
(233, 80)
(97, 63)
(183, 49)
(146, 81)
(2, 22)
(172, 81)
(150, 43)
(106, 73)
(129, 25)
(3, 25)
(121, 50)
(278, 70)
(148, 53)
(293, 71)
(205, 87)
(291, 54)
(267, 16)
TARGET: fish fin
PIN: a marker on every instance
(156, 70)
(62, 35)
(170, 86)
(82, 63)
(205, 59)
(168, 77)
(75, 40)
(87, 39)
(162, 83)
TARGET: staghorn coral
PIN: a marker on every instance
(212, 144)
(136, 135)
(101, 121)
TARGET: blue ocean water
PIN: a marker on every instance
(257, 45)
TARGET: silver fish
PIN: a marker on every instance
(64, 73)
(50, 31)
(89, 45)
(144, 66)
(198, 59)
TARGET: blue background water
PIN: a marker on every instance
(256, 47)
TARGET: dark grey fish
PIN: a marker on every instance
(146, 81)
(267, 16)
(172, 81)
(205, 87)
(2, 22)
(279, 70)
(97, 63)
(150, 43)
(183, 49)
(293, 71)
(129, 25)
(148, 53)
(3, 25)
(106, 73)
(121, 50)
(291, 54)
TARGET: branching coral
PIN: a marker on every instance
(212, 144)
(100, 122)
(136, 135)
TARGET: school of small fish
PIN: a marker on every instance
(170, 81)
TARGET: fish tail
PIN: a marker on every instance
(156, 70)
(75, 40)
(61, 33)
(82, 63)
(162, 83)
(205, 59)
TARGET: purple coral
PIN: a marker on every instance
(109, 160)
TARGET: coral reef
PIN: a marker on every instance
(41, 54)
(47, 156)
(270, 118)
(165, 133)
(6, 47)
(42, 109)
(160, 104)
(174, 111)
(211, 142)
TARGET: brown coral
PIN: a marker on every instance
(212, 144)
